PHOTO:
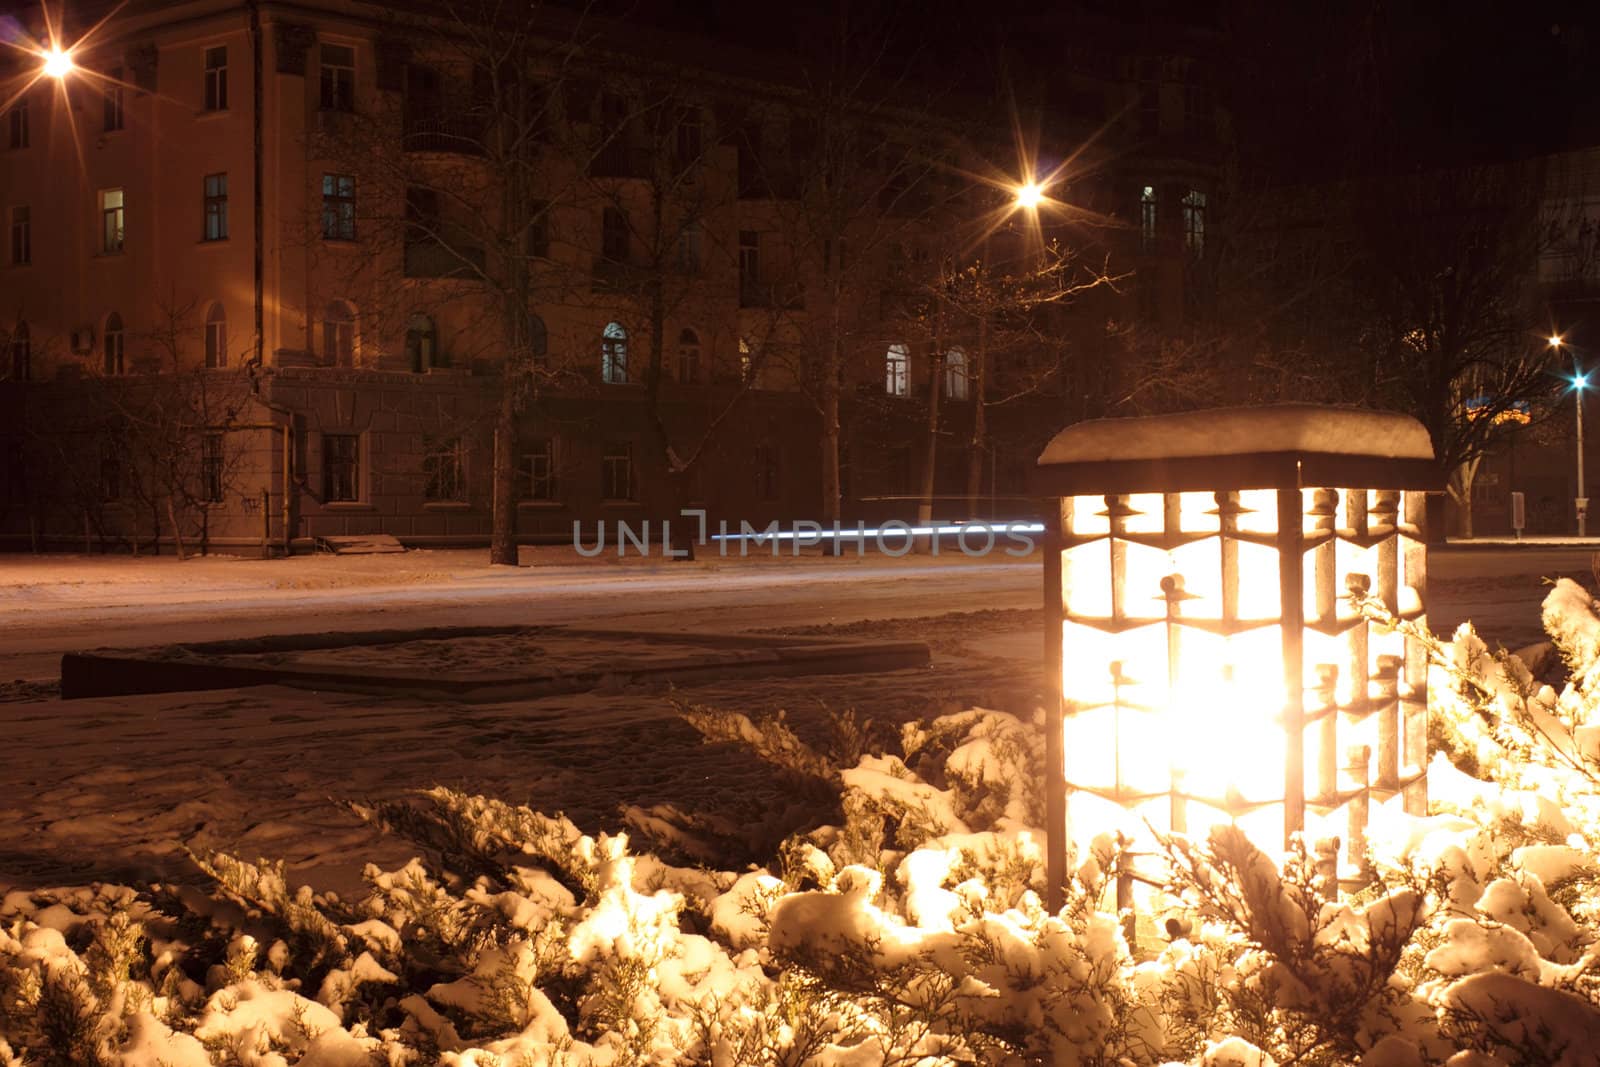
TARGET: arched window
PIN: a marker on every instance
(955, 373)
(21, 353)
(614, 354)
(116, 362)
(897, 368)
(339, 335)
(216, 337)
(538, 340)
(421, 343)
(688, 357)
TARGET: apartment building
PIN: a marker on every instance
(274, 272)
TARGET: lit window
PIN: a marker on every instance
(444, 471)
(338, 77)
(897, 365)
(216, 337)
(420, 343)
(21, 353)
(747, 366)
(339, 207)
(1147, 218)
(21, 236)
(112, 219)
(115, 354)
(19, 124)
(216, 206)
(540, 464)
(688, 357)
(339, 335)
(614, 354)
(216, 83)
(1194, 221)
(616, 471)
(211, 468)
(341, 467)
(113, 101)
(956, 374)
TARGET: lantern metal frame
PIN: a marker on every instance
(1378, 468)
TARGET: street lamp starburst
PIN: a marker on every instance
(1029, 196)
(57, 63)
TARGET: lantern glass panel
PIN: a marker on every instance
(1089, 517)
(1258, 511)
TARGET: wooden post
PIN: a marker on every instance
(1291, 617)
(1055, 782)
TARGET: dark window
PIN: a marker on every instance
(766, 458)
(216, 85)
(750, 269)
(112, 220)
(689, 357)
(444, 471)
(339, 207)
(115, 356)
(113, 101)
(616, 471)
(216, 337)
(339, 335)
(539, 230)
(1149, 99)
(538, 340)
(211, 468)
(614, 235)
(690, 138)
(338, 63)
(341, 467)
(1194, 222)
(216, 207)
(21, 353)
(541, 470)
(110, 473)
(691, 248)
(21, 236)
(19, 124)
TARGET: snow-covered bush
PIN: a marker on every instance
(907, 928)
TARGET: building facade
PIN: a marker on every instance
(278, 272)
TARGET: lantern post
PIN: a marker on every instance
(1208, 660)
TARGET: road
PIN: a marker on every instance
(51, 605)
(71, 604)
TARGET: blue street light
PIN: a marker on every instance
(1580, 382)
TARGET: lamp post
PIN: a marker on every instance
(1199, 576)
(1580, 381)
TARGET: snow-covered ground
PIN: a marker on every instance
(111, 788)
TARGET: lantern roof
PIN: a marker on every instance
(1277, 446)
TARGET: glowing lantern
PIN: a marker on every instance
(1199, 572)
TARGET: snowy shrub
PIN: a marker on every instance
(902, 924)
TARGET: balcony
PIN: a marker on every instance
(618, 159)
(612, 276)
(433, 133)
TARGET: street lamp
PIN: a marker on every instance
(57, 63)
(1580, 382)
(1029, 196)
(1213, 669)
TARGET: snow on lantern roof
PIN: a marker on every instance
(1276, 446)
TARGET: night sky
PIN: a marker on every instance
(1389, 85)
